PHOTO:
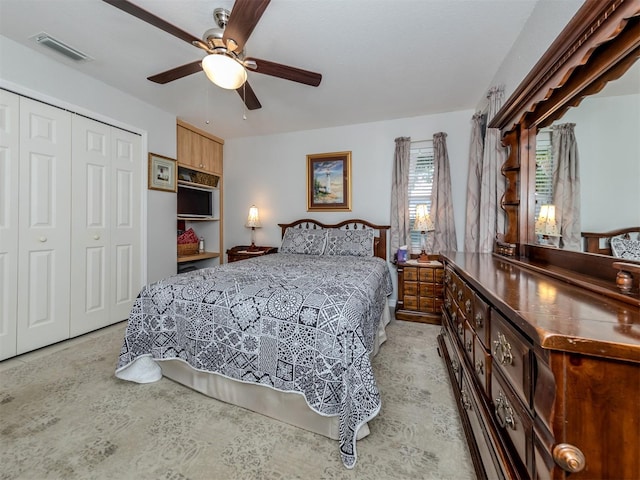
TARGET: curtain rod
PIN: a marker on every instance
(421, 141)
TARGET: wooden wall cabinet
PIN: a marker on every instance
(199, 151)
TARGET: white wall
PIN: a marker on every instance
(609, 152)
(32, 74)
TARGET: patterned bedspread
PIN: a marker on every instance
(301, 323)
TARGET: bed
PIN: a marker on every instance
(289, 335)
(623, 243)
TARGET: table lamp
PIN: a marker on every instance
(423, 224)
(546, 224)
(253, 222)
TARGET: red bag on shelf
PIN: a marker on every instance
(188, 237)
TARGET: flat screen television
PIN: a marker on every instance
(195, 202)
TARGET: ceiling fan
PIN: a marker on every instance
(225, 65)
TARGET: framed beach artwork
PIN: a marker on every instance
(162, 173)
(329, 182)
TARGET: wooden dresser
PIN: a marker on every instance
(546, 375)
(420, 291)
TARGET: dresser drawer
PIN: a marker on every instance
(485, 449)
(513, 420)
(468, 342)
(482, 365)
(511, 354)
(481, 320)
(449, 353)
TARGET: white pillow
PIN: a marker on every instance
(358, 243)
(624, 247)
(300, 240)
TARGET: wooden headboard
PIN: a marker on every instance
(592, 242)
(379, 241)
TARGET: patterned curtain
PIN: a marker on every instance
(566, 185)
(400, 225)
(492, 183)
(444, 236)
(476, 149)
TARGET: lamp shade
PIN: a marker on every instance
(224, 71)
(546, 223)
(423, 222)
(253, 220)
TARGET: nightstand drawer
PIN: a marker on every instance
(430, 290)
(410, 274)
(411, 288)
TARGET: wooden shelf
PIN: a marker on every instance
(197, 256)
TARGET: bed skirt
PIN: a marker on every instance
(286, 407)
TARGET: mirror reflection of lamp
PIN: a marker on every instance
(546, 225)
(423, 224)
(253, 222)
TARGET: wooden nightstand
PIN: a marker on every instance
(420, 291)
(241, 252)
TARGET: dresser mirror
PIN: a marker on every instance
(606, 127)
(599, 46)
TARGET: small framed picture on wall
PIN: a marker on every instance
(162, 173)
(329, 182)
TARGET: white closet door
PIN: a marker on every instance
(106, 228)
(44, 225)
(126, 222)
(9, 162)
(91, 189)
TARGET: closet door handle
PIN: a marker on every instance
(42, 239)
(96, 237)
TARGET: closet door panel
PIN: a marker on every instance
(91, 188)
(126, 204)
(9, 162)
(44, 225)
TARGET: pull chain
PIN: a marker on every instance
(244, 101)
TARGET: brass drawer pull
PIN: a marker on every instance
(455, 366)
(454, 317)
(466, 404)
(479, 320)
(454, 287)
(504, 412)
(460, 329)
(569, 457)
(469, 346)
(460, 294)
(480, 367)
(467, 306)
(447, 303)
(502, 350)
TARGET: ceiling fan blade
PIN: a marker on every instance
(150, 18)
(242, 20)
(249, 97)
(176, 73)
(284, 71)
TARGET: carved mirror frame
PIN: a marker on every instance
(598, 45)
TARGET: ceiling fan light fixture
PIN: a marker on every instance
(224, 71)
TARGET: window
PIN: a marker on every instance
(544, 170)
(420, 183)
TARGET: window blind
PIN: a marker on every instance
(544, 170)
(420, 183)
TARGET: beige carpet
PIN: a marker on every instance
(63, 415)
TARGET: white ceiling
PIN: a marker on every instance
(380, 59)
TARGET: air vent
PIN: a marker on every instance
(61, 47)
